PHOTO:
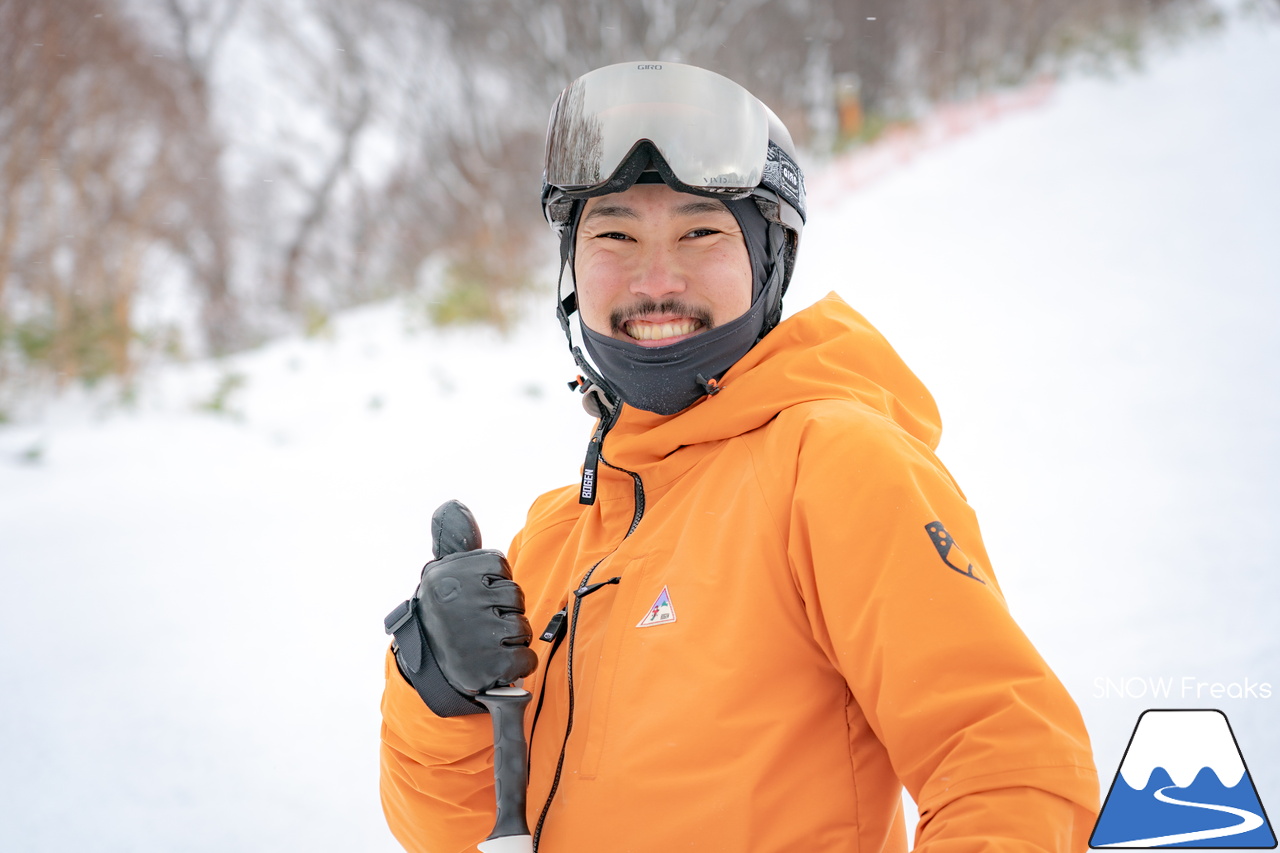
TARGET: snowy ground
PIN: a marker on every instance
(190, 604)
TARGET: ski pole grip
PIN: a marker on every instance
(510, 763)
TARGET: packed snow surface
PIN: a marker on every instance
(191, 645)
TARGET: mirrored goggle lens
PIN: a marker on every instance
(712, 133)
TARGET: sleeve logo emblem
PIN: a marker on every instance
(950, 552)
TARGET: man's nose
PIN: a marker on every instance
(658, 274)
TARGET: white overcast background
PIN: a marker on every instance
(191, 604)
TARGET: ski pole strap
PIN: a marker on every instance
(419, 667)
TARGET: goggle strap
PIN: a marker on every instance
(783, 176)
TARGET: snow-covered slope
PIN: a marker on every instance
(190, 604)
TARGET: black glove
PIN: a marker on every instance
(465, 630)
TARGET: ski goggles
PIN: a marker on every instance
(711, 136)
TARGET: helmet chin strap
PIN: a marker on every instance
(600, 398)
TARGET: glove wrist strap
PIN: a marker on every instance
(419, 667)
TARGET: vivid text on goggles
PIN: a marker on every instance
(711, 134)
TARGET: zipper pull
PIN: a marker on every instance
(586, 589)
(555, 628)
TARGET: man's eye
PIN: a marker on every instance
(703, 232)
(613, 235)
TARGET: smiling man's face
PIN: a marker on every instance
(654, 266)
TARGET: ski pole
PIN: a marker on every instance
(454, 529)
(510, 770)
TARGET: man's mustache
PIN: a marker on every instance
(645, 306)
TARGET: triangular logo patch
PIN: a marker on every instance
(660, 613)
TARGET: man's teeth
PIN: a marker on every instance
(661, 331)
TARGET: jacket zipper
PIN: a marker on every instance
(585, 588)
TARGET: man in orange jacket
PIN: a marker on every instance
(768, 607)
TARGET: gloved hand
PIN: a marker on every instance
(464, 631)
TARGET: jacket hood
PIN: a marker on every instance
(828, 351)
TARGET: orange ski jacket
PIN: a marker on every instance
(804, 620)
